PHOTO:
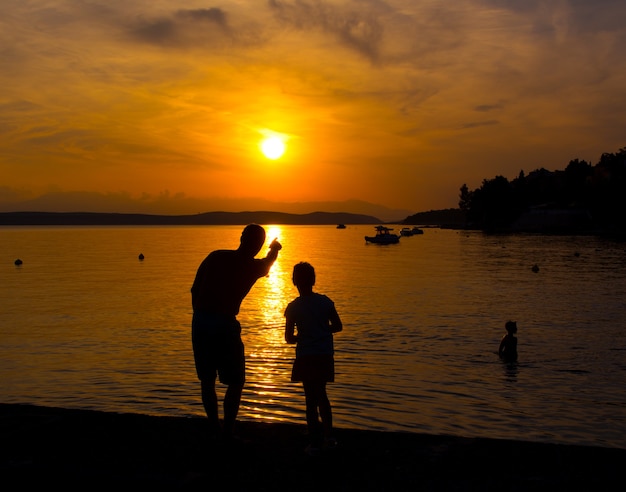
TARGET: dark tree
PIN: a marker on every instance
(598, 191)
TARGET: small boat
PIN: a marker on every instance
(341, 226)
(407, 231)
(383, 236)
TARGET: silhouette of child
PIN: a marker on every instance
(316, 319)
(508, 345)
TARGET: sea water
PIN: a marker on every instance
(84, 323)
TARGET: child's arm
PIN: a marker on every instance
(290, 336)
(335, 322)
(501, 347)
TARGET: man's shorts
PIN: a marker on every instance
(217, 348)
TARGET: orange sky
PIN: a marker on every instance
(392, 102)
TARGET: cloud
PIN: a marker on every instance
(183, 28)
(477, 124)
(19, 106)
(11, 195)
(211, 16)
(484, 108)
(201, 30)
(357, 30)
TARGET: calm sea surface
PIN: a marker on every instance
(85, 324)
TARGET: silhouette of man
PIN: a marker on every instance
(222, 281)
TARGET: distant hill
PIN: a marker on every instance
(450, 217)
(166, 204)
(208, 218)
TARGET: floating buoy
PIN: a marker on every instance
(141, 256)
(18, 262)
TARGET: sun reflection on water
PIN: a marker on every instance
(268, 357)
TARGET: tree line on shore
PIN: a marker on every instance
(581, 198)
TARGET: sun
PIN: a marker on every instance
(273, 147)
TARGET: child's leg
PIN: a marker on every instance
(311, 395)
(326, 412)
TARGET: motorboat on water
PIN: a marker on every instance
(407, 231)
(383, 236)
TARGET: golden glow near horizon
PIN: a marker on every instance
(144, 107)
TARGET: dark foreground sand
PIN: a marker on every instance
(75, 449)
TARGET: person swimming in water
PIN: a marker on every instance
(508, 345)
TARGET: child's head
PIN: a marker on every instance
(303, 275)
(511, 327)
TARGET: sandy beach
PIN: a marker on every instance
(76, 449)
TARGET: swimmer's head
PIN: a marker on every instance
(511, 326)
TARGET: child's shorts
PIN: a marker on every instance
(313, 368)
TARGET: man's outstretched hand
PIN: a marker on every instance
(275, 245)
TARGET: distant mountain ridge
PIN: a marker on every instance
(208, 218)
(167, 204)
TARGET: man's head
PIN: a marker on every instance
(252, 239)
